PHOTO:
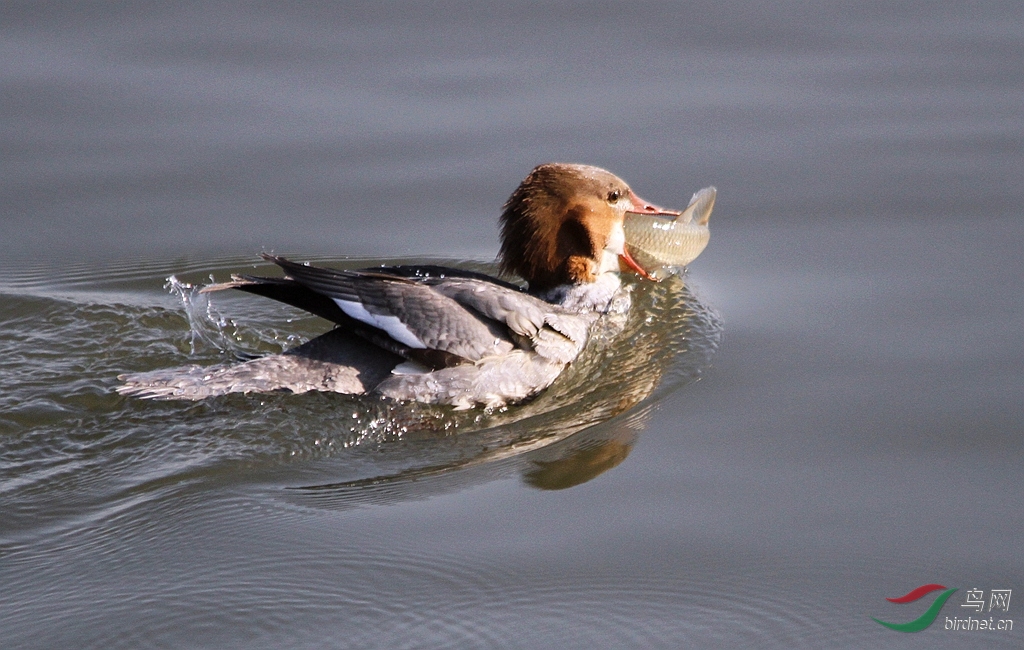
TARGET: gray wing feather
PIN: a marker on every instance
(553, 332)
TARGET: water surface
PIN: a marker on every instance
(838, 395)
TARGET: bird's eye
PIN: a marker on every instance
(614, 195)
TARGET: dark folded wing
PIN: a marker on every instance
(409, 311)
(289, 292)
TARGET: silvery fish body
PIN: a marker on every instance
(657, 242)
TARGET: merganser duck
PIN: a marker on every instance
(448, 336)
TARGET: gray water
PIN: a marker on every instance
(825, 411)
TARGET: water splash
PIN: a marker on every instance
(205, 326)
(210, 329)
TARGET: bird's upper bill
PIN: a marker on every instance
(642, 206)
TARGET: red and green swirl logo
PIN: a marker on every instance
(930, 614)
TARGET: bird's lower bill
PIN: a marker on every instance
(625, 259)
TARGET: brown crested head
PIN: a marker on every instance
(558, 222)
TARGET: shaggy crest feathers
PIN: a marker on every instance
(557, 222)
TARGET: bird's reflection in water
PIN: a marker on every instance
(584, 425)
(583, 457)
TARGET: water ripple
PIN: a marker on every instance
(60, 359)
(315, 595)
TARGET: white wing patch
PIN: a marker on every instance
(410, 368)
(395, 328)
